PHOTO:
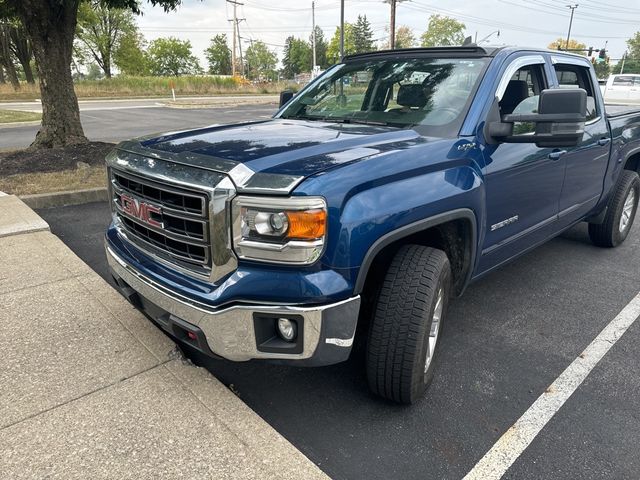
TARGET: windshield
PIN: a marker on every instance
(431, 92)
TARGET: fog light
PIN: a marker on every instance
(287, 329)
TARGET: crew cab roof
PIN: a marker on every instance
(463, 51)
(455, 51)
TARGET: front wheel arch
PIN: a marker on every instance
(454, 232)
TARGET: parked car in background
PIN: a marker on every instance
(622, 89)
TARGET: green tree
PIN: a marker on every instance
(297, 57)
(172, 57)
(634, 46)
(603, 69)
(443, 31)
(219, 56)
(404, 38)
(94, 72)
(50, 27)
(130, 56)
(561, 44)
(362, 35)
(99, 30)
(261, 62)
(333, 50)
(321, 49)
(631, 65)
(632, 60)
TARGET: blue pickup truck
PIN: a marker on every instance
(372, 198)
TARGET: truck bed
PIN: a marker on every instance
(619, 110)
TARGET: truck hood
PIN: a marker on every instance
(295, 148)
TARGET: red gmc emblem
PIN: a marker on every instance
(140, 210)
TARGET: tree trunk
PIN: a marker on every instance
(28, 73)
(22, 51)
(2, 80)
(5, 57)
(107, 67)
(50, 26)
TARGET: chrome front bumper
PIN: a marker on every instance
(328, 331)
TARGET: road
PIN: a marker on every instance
(115, 120)
(506, 340)
(127, 103)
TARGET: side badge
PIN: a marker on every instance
(504, 223)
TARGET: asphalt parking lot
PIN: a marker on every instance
(108, 123)
(507, 339)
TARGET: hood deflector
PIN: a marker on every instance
(244, 178)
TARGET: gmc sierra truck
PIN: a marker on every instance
(372, 197)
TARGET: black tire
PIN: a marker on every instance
(609, 233)
(398, 338)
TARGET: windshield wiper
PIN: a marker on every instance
(316, 118)
(369, 122)
(360, 121)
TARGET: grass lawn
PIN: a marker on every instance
(12, 116)
(136, 87)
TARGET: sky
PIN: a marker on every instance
(521, 22)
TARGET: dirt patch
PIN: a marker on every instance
(54, 159)
(51, 182)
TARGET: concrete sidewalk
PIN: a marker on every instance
(91, 389)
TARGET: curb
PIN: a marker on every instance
(194, 105)
(61, 199)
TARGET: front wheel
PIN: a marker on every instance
(621, 211)
(407, 322)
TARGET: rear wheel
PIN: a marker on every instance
(621, 211)
(407, 323)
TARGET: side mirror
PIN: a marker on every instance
(559, 122)
(285, 96)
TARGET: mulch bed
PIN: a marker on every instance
(53, 159)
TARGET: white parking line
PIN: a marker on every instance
(515, 440)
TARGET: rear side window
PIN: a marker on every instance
(574, 76)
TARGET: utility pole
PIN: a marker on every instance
(572, 7)
(313, 37)
(341, 30)
(392, 27)
(624, 57)
(240, 45)
(236, 31)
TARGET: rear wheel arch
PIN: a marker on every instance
(633, 162)
(453, 232)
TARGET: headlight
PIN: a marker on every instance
(279, 230)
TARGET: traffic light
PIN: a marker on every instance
(602, 54)
(590, 52)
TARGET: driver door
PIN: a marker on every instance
(523, 182)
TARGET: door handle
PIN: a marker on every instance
(557, 154)
(604, 141)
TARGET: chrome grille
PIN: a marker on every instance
(169, 222)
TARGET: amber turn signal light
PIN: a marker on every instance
(306, 224)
